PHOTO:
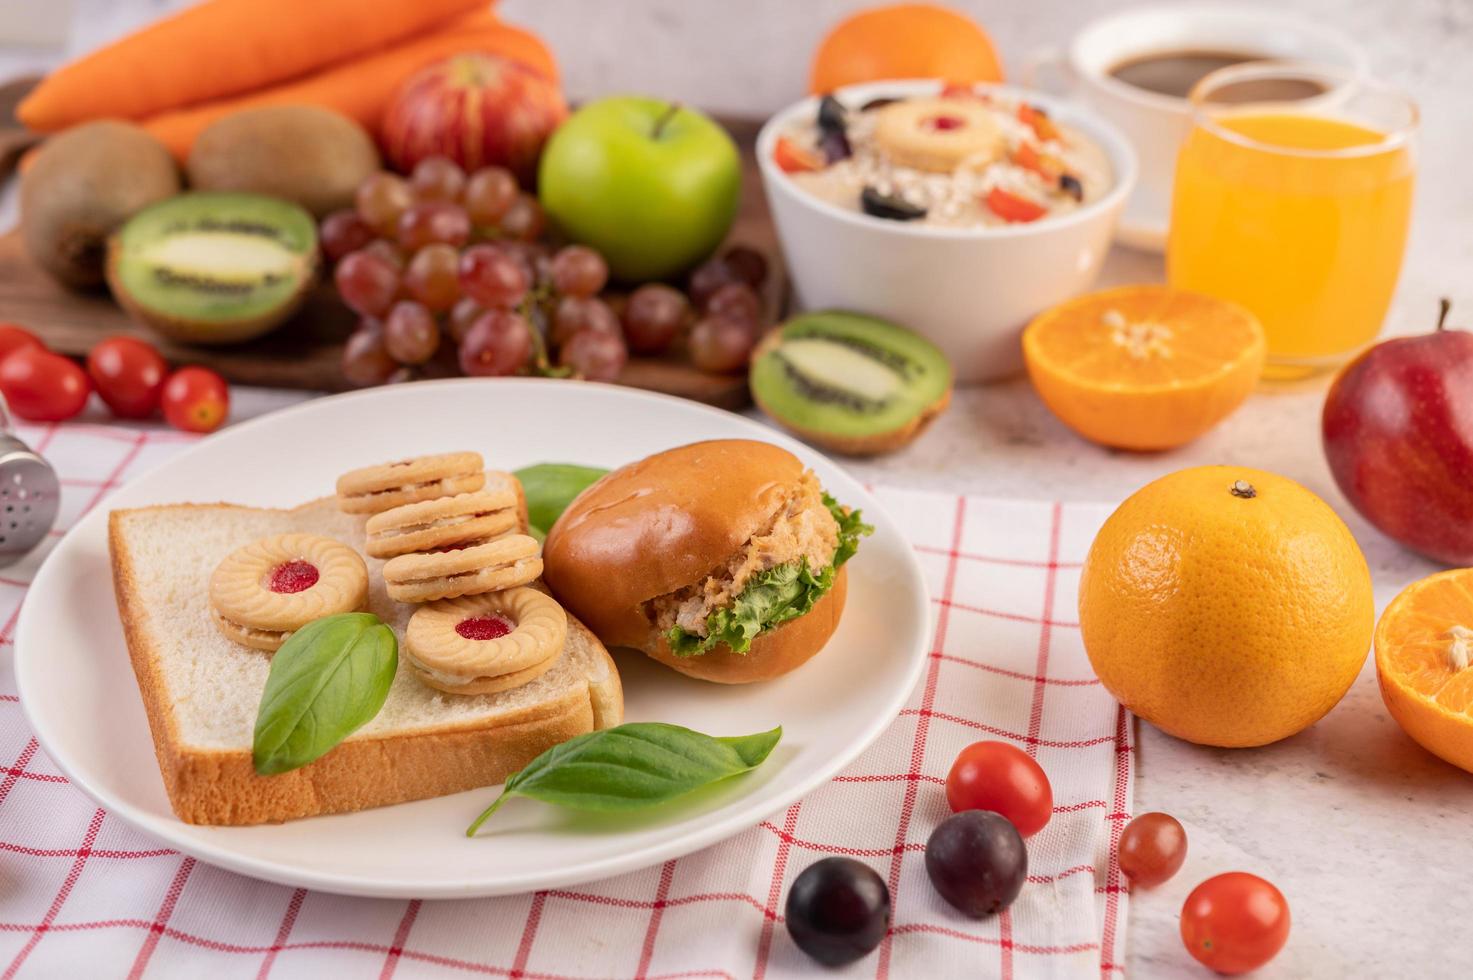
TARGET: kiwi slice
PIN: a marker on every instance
(214, 268)
(851, 383)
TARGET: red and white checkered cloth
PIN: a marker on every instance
(80, 892)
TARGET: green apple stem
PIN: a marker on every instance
(1445, 304)
(664, 120)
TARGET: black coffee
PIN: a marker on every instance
(1174, 73)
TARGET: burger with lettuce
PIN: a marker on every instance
(722, 559)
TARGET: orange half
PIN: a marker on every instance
(1424, 661)
(1144, 367)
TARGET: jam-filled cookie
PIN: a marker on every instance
(264, 591)
(501, 564)
(485, 643)
(374, 489)
(938, 135)
(464, 519)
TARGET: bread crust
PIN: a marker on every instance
(210, 786)
(773, 653)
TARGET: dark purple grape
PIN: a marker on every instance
(834, 147)
(748, 264)
(832, 116)
(721, 345)
(365, 360)
(594, 355)
(890, 206)
(410, 333)
(977, 862)
(653, 317)
(497, 344)
(574, 314)
(833, 129)
(736, 301)
(708, 277)
(838, 910)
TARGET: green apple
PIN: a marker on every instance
(651, 185)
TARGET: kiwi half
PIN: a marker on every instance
(851, 383)
(213, 268)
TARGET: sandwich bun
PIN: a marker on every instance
(663, 523)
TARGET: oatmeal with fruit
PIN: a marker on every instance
(960, 159)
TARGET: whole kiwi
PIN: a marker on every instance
(303, 153)
(81, 185)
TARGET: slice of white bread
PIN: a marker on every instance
(201, 691)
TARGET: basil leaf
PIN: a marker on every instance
(631, 767)
(551, 487)
(328, 679)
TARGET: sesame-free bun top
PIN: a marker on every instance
(658, 525)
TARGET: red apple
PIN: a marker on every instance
(476, 109)
(1398, 431)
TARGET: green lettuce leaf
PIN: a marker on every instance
(773, 597)
(851, 529)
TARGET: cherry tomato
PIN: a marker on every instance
(1234, 922)
(196, 399)
(794, 159)
(42, 386)
(1012, 208)
(13, 338)
(999, 777)
(1152, 849)
(1043, 127)
(129, 374)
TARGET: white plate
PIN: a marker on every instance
(79, 692)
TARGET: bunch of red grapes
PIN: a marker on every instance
(449, 271)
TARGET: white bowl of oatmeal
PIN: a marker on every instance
(958, 213)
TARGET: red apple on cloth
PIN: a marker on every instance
(1398, 432)
(478, 110)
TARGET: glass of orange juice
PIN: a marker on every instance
(1293, 196)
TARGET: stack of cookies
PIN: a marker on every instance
(452, 544)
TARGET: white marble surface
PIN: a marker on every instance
(1366, 834)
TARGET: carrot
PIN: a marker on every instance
(222, 48)
(362, 88)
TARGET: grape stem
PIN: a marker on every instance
(664, 120)
(541, 362)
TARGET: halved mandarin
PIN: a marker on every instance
(1144, 367)
(1424, 661)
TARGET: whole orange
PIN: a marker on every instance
(1226, 605)
(1424, 661)
(904, 40)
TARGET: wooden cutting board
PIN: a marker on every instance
(305, 352)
